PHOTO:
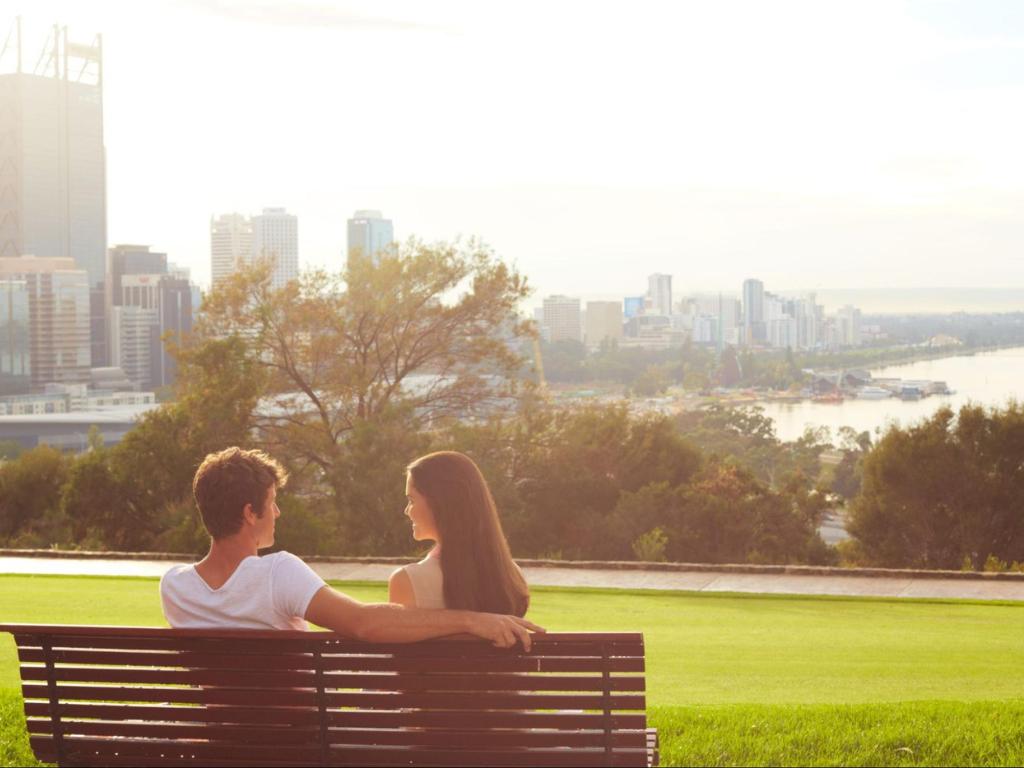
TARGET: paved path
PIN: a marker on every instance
(694, 581)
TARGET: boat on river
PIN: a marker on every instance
(911, 393)
(873, 393)
(829, 397)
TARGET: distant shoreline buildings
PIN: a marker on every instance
(759, 320)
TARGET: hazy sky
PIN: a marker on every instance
(812, 144)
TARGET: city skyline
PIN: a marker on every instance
(822, 169)
(657, 320)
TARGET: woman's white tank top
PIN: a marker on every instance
(427, 581)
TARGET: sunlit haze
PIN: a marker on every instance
(812, 145)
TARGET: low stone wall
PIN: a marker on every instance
(603, 565)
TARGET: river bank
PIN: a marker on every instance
(990, 379)
(887, 357)
(901, 355)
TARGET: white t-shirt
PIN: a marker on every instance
(270, 592)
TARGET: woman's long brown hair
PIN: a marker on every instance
(479, 574)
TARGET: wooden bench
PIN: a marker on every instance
(148, 696)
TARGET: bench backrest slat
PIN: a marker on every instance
(559, 721)
(161, 697)
(307, 735)
(447, 682)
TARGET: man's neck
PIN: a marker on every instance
(223, 559)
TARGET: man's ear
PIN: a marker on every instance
(248, 515)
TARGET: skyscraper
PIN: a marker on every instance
(754, 326)
(369, 233)
(133, 330)
(57, 294)
(659, 291)
(275, 235)
(15, 363)
(806, 312)
(781, 327)
(562, 318)
(632, 306)
(53, 161)
(848, 324)
(175, 306)
(725, 310)
(148, 301)
(132, 260)
(604, 322)
(230, 245)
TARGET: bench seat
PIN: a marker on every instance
(153, 696)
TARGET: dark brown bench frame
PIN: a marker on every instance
(147, 696)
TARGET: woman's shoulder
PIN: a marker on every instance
(427, 581)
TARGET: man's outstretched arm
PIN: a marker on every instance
(389, 623)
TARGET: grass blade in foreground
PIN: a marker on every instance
(14, 748)
(910, 733)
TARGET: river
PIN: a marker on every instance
(987, 378)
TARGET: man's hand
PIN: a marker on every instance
(503, 631)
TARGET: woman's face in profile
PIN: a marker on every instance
(424, 527)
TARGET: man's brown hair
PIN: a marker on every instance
(228, 480)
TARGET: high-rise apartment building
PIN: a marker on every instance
(57, 295)
(275, 235)
(781, 327)
(176, 309)
(848, 326)
(659, 291)
(633, 306)
(149, 299)
(369, 234)
(808, 318)
(133, 332)
(53, 164)
(15, 363)
(230, 245)
(604, 322)
(237, 240)
(178, 272)
(754, 326)
(706, 329)
(132, 260)
(562, 318)
(724, 310)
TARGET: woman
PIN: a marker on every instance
(470, 567)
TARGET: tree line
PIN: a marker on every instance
(589, 483)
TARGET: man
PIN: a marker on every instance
(232, 586)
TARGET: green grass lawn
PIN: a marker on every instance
(732, 679)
